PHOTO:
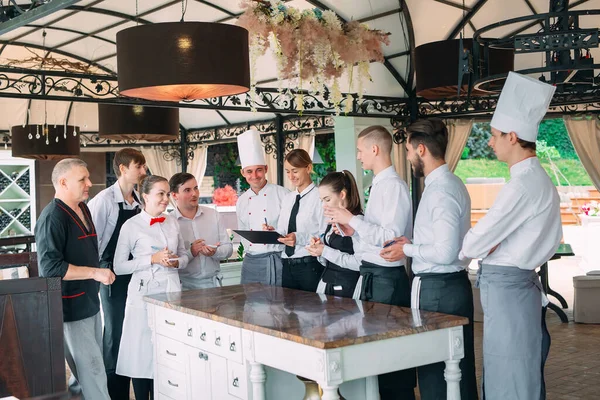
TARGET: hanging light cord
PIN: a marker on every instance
(183, 9)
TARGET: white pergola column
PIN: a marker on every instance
(346, 130)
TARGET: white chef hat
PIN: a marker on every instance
(522, 105)
(251, 149)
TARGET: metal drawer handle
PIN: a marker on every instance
(236, 382)
(218, 341)
(190, 332)
(203, 337)
(169, 323)
(203, 356)
(172, 384)
(232, 347)
(171, 354)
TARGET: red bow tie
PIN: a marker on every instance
(160, 220)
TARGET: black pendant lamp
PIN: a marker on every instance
(437, 66)
(123, 122)
(45, 142)
(177, 61)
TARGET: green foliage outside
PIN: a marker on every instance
(325, 145)
(552, 131)
(226, 172)
(553, 147)
(572, 170)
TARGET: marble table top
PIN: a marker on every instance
(309, 318)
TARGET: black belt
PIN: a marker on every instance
(300, 260)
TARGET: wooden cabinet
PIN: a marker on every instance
(32, 359)
(197, 358)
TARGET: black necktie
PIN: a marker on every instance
(289, 250)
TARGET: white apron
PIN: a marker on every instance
(136, 350)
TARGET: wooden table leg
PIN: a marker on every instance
(452, 375)
(258, 377)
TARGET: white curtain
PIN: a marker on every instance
(585, 135)
(458, 133)
(157, 164)
(197, 165)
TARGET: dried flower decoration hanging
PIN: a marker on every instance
(314, 46)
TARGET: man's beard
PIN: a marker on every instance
(418, 168)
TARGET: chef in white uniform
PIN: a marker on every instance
(520, 232)
(158, 252)
(260, 203)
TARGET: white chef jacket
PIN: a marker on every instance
(388, 215)
(104, 208)
(443, 218)
(309, 221)
(252, 209)
(205, 225)
(524, 220)
(142, 240)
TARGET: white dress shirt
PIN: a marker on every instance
(388, 215)
(443, 218)
(104, 208)
(253, 208)
(205, 225)
(524, 220)
(142, 240)
(309, 221)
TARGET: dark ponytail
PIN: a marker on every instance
(340, 181)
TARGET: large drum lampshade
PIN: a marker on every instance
(436, 66)
(45, 142)
(177, 61)
(124, 122)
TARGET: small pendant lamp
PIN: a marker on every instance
(45, 142)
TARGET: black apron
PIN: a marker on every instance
(448, 293)
(113, 299)
(339, 281)
(389, 285)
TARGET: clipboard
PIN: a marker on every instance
(262, 237)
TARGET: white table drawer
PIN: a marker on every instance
(172, 323)
(163, 397)
(170, 353)
(228, 342)
(171, 383)
(237, 380)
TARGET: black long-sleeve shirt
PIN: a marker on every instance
(62, 239)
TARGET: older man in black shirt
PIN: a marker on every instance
(68, 248)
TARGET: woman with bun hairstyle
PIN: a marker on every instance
(301, 218)
(150, 248)
(335, 247)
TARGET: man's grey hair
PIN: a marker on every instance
(64, 166)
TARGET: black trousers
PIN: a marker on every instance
(301, 273)
(143, 388)
(113, 299)
(449, 293)
(390, 285)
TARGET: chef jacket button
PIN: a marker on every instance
(265, 210)
(249, 213)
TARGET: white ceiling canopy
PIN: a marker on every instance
(85, 33)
